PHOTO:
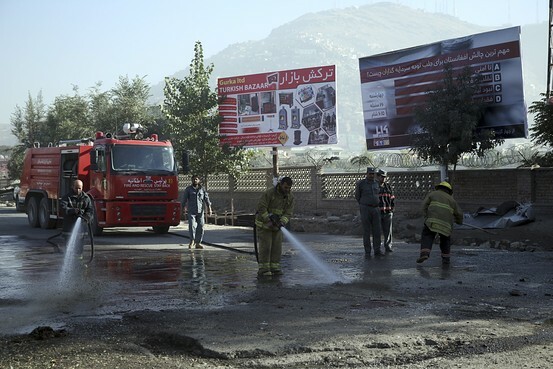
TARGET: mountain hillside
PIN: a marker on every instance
(342, 36)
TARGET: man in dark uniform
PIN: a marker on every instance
(366, 194)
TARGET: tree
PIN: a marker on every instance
(15, 163)
(127, 102)
(449, 119)
(28, 126)
(193, 121)
(69, 118)
(361, 161)
(76, 116)
(130, 102)
(101, 114)
(542, 130)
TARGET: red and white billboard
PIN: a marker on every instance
(285, 108)
(393, 84)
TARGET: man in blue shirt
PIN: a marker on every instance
(196, 200)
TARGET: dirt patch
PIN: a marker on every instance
(352, 326)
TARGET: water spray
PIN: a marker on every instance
(90, 235)
(326, 271)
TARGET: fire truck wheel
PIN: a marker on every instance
(160, 229)
(44, 215)
(32, 212)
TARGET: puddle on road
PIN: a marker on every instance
(123, 280)
(117, 281)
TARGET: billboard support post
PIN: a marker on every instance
(274, 152)
(443, 172)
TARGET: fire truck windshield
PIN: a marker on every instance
(144, 159)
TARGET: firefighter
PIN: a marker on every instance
(274, 211)
(440, 211)
(75, 204)
(386, 203)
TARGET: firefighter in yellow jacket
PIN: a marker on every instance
(440, 211)
(274, 211)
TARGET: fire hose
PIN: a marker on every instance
(90, 235)
(255, 242)
(480, 229)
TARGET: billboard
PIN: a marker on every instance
(288, 108)
(394, 83)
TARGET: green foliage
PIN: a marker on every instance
(362, 162)
(129, 102)
(538, 159)
(542, 130)
(190, 107)
(75, 117)
(101, 112)
(448, 121)
(15, 164)
(28, 123)
(158, 122)
(7, 151)
(68, 119)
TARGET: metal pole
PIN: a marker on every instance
(443, 172)
(274, 152)
(549, 64)
(231, 212)
(480, 229)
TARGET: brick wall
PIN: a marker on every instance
(333, 193)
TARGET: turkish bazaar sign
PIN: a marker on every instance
(394, 83)
(285, 108)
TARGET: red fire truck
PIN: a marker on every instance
(131, 180)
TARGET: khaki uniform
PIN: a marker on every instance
(440, 211)
(272, 202)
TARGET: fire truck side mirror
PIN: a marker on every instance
(93, 160)
(185, 162)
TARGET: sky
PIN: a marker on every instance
(50, 46)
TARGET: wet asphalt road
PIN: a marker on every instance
(134, 269)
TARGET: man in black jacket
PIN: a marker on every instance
(75, 204)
